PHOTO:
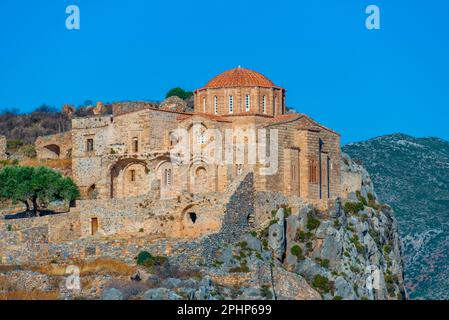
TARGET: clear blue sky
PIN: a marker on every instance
(360, 82)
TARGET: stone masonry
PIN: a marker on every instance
(3, 148)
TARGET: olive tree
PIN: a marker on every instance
(35, 187)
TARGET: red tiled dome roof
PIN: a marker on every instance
(239, 77)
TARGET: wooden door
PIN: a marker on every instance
(94, 226)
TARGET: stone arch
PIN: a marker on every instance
(199, 178)
(198, 219)
(165, 172)
(129, 178)
(52, 151)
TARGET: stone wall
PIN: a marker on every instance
(3, 148)
(161, 227)
(57, 146)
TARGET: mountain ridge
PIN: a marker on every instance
(412, 175)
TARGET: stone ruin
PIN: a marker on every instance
(3, 155)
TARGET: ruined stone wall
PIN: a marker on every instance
(3, 148)
(57, 146)
(161, 227)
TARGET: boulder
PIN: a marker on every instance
(112, 294)
(161, 294)
(291, 286)
(344, 289)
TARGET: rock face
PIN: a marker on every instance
(112, 294)
(174, 103)
(276, 236)
(351, 251)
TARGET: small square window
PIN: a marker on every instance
(90, 145)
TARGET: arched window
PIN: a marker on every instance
(264, 104)
(231, 104)
(247, 102)
(216, 104)
(132, 175)
(201, 138)
(204, 105)
(135, 145)
(167, 177)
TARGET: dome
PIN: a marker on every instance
(240, 77)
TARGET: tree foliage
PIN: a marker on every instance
(179, 92)
(36, 187)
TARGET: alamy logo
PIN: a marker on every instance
(373, 279)
(73, 280)
(73, 20)
(373, 20)
(241, 146)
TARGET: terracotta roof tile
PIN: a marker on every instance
(239, 77)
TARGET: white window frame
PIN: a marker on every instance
(247, 102)
(216, 104)
(231, 104)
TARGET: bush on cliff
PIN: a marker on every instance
(35, 187)
(179, 92)
(353, 207)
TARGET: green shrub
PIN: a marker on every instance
(265, 292)
(28, 151)
(14, 144)
(297, 251)
(353, 207)
(179, 92)
(323, 262)
(355, 240)
(302, 236)
(312, 222)
(321, 283)
(361, 198)
(338, 298)
(287, 212)
(387, 249)
(372, 202)
(144, 257)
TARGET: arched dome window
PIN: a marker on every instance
(247, 102)
(216, 104)
(231, 104)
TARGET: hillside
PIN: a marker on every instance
(412, 175)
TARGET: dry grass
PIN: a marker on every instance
(35, 295)
(107, 266)
(62, 164)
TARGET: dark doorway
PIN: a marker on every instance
(192, 216)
